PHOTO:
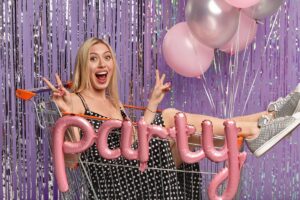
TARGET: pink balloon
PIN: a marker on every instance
(143, 148)
(244, 36)
(232, 173)
(242, 3)
(60, 147)
(126, 142)
(183, 132)
(208, 145)
(185, 54)
(145, 133)
(157, 131)
(172, 133)
(102, 145)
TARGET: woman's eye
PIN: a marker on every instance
(107, 57)
(93, 58)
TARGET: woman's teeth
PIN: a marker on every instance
(101, 75)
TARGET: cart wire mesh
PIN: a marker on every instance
(80, 180)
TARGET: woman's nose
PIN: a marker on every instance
(101, 63)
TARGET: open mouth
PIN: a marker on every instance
(101, 76)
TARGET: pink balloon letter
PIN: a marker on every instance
(126, 142)
(60, 147)
(232, 173)
(208, 145)
(145, 133)
(102, 144)
(143, 144)
(183, 131)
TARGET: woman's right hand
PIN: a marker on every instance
(60, 95)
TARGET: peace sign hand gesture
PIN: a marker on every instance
(158, 93)
(160, 89)
(61, 96)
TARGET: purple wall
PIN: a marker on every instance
(39, 38)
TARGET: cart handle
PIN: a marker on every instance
(28, 94)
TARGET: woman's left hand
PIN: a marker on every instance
(160, 89)
(157, 96)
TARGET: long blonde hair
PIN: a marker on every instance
(81, 79)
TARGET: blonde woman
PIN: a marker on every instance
(95, 93)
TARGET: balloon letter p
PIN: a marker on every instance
(60, 146)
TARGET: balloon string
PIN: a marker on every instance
(149, 168)
(261, 57)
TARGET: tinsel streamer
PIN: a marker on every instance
(39, 38)
(3, 117)
(2, 113)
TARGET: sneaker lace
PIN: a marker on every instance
(278, 123)
(281, 121)
(280, 101)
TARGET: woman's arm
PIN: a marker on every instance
(60, 95)
(66, 102)
(158, 93)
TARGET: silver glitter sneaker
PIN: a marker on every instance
(264, 120)
(272, 133)
(286, 106)
(282, 107)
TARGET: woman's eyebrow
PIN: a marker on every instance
(93, 53)
(97, 53)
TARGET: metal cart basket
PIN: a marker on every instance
(47, 113)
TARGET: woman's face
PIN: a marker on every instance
(101, 66)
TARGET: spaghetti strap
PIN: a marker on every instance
(83, 102)
(124, 115)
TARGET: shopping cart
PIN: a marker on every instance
(47, 113)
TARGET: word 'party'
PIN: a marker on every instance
(180, 133)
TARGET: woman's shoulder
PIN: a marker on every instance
(123, 112)
(121, 105)
(77, 105)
